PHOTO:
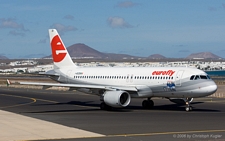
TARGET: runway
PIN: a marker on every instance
(166, 121)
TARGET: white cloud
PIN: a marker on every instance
(18, 29)
(11, 23)
(32, 8)
(16, 33)
(62, 28)
(118, 22)
(212, 8)
(42, 41)
(68, 17)
(126, 4)
(223, 5)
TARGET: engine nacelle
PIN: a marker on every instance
(181, 101)
(117, 98)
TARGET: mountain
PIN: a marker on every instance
(83, 51)
(203, 55)
(3, 57)
(156, 56)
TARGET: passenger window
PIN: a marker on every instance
(203, 77)
(192, 77)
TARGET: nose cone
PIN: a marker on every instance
(211, 88)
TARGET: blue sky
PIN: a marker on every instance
(173, 28)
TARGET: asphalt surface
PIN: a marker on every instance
(166, 121)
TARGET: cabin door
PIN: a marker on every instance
(179, 77)
(68, 76)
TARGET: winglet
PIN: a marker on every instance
(60, 55)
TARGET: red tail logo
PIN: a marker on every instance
(58, 50)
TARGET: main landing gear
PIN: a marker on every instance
(188, 106)
(147, 104)
(104, 106)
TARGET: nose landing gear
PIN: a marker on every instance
(188, 106)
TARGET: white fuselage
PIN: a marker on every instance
(151, 82)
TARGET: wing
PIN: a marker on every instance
(126, 88)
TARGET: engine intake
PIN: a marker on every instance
(117, 98)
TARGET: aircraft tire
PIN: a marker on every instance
(104, 106)
(188, 108)
(147, 104)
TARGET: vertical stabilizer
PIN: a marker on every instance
(60, 55)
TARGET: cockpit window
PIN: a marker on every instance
(208, 77)
(197, 77)
(203, 77)
(192, 77)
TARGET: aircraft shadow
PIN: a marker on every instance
(78, 103)
(89, 106)
(64, 111)
(174, 107)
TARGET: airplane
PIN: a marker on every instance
(117, 85)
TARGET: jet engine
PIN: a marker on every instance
(117, 99)
(181, 101)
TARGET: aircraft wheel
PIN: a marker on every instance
(188, 108)
(151, 103)
(147, 104)
(104, 106)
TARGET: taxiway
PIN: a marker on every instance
(166, 121)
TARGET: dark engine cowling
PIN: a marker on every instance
(117, 98)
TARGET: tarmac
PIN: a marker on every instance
(29, 114)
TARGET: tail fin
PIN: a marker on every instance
(60, 55)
